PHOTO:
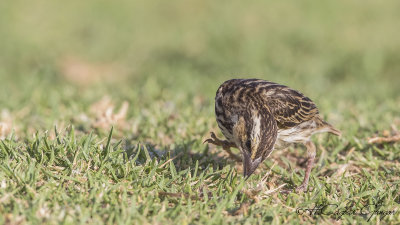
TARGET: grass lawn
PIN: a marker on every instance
(104, 107)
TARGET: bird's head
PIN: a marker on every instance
(254, 140)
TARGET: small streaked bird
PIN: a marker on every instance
(258, 116)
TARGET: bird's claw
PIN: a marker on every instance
(286, 191)
(302, 188)
(210, 141)
(214, 140)
(299, 189)
(225, 145)
(213, 136)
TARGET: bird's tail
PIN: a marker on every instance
(326, 127)
(334, 131)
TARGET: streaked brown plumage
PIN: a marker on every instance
(258, 116)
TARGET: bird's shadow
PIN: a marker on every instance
(184, 155)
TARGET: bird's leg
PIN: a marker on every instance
(310, 162)
(226, 145)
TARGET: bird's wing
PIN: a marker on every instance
(290, 107)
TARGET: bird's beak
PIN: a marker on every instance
(249, 165)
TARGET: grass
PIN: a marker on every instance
(104, 107)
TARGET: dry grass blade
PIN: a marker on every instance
(105, 117)
(341, 170)
(169, 160)
(260, 187)
(273, 190)
(254, 194)
(243, 209)
(5, 129)
(179, 195)
(388, 138)
(6, 124)
(381, 140)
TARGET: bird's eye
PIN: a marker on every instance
(248, 144)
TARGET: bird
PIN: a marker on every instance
(258, 116)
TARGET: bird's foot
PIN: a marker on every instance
(226, 145)
(286, 191)
(216, 141)
(301, 188)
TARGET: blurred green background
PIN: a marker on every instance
(151, 69)
(56, 58)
